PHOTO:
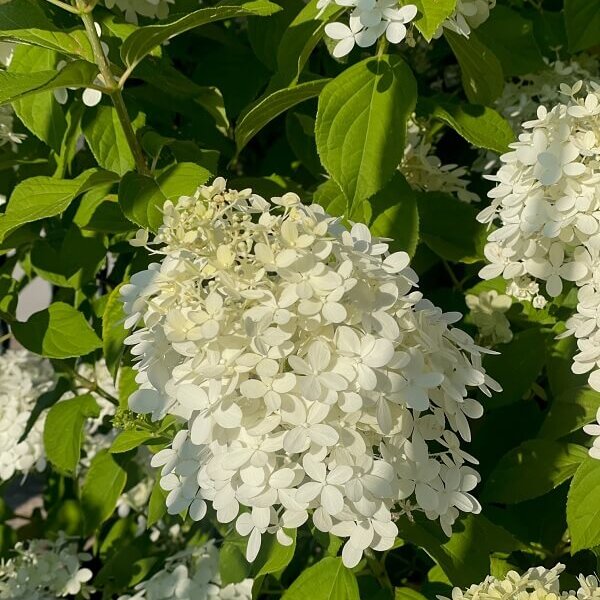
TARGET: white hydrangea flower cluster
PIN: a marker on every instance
(488, 314)
(314, 380)
(45, 570)
(468, 15)
(369, 20)
(424, 171)
(23, 378)
(547, 199)
(154, 9)
(536, 584)
(191, 575)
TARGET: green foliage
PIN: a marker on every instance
(582, 506)
(432, 13)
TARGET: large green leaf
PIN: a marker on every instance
(25, 21)
(532, 469)
(63, 430)
(481, 71)
(361, 124)
(583, 506)
(59, 331)
(41, 197)
(480, 125)
(103, 484)
(329, 579)
(76, 74)
(432, 13)
(582, 18)
(142, 41)
(570, 411)
(113, 331)
(267, 108)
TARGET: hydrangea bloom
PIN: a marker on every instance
(594, 430)
(488, 315)
(546, 199)
(536, 584)
(312, 377)
(191, 575)
(154, 9)
(44, 570)
(369, 20)
(23, 377)
(468, 15)
(424, 170)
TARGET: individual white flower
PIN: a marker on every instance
(488, 315)
(45, 569)
(309, 376)
(191, 575)
(468, 15)
(537, 583)
(154, 9)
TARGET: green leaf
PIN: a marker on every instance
(100, 211)
(481, 126)
(113, 331)
(273, 557)
(582, 19)
(76, 74)
(407, 594)
(141, 197)
(395, 215)
(40, 113)
(432, 13)
(59, 331)
(74, 263)
(24, 21)
(516, 376)
(157, 506)
(532, 469)
(128, 440)
(361, 124)
(267, 108)
(450, 228)
(9, 297)
(41, 197)
(233, 566)
(329, 579)
(510, 37)
(583, 506)
(103, 484)
(481, 71)
(142, 41)
(107, 141)
(63, 430)
(570, 411)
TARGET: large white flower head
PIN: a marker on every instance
(547, 200)
(537, 583)
(23, 378)
(44, 570)
(424, 171)
(369, 20)
(191, 575)
(154, 9)
(312, 378)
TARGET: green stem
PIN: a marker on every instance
(92, 386)
(64, 6)
(5, 337)
(112, 88)
(457, 284)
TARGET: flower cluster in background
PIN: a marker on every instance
(424, 170)
(313, 379)
(191, 575)
(7, 135)
(536, 584)
(44, 569)
(547, 199)
(488, 314)
(153, 9)
(468, 15)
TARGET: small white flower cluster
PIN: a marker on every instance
(154, 9)
(424, 171)
(313, 379)
(468, 15)
(537, 583)
(7, 135)
(369, 20)
(23, 377)
(488, 315)
(547, 199)
(191, 575)
(44, 570)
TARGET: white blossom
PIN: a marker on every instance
(311, 378)
(537, 583)
(44, 570)
(488, 315)
(154, 9)
(191, 575)
(468, 15)
(594, 430)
